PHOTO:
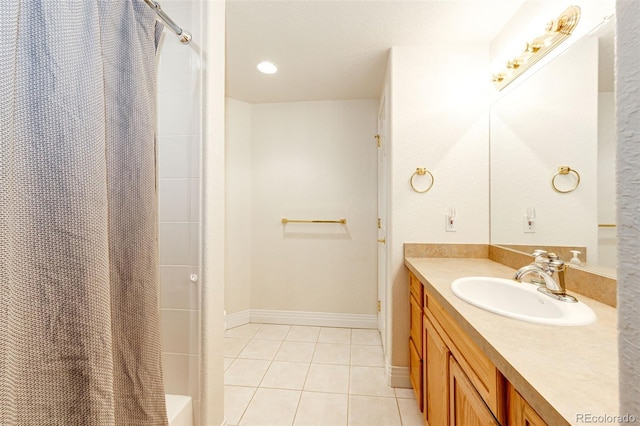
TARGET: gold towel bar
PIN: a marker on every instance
(285, 221)
(607, 225)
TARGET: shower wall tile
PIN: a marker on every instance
(194, 376)
(176, 333)
(179, 121)
(194, 332)
(179, 73)
(179, 113)
(195, 200)
(194, 246)
(176, 289)
(182, 11)
(176, 373)
(174, 200)
(179, 156)
(175, 243)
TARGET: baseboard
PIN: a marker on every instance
(398, 377)
(322, 319)
(237, 319)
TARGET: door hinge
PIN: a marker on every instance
(379, 306)
(379, 223)
(378, 139)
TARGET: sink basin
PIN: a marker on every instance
(520, 301)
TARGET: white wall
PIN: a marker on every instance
(439, 120)
(628, 164)
(549, 120)
(314, 160)
(238, 173)
(301, 160)
(179, 145)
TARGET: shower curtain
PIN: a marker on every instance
(79, 320)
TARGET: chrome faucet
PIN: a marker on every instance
(549, 270)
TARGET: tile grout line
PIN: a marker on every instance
(315, 347)
(256, 389)
(315, 341)
(266, 371)
(399, 411)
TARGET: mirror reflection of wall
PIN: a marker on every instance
(606, 147)
(562, 115)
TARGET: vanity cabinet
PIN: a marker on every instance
(466, 405)
(460, 382)
(415, 338)
(436, 377)
(459, 385)
(520, 412)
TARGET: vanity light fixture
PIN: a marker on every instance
(267, 67)
(557, 31)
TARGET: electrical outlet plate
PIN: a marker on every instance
(450, 224)
(528, 227)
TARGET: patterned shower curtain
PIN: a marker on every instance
(79, 319)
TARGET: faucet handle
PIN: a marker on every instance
(539, 253)
(555, 261)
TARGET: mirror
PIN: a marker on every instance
(561, 115)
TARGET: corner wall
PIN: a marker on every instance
(301, 160)
(439, 120)
(238, 204)
(628, 164)
(179, 153)
(212, 15)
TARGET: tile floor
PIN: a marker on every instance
(278, 375)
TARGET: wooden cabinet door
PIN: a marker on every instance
(415, 350)
(415, 373)
(416, 324)
(466, 407)
(436, 377)
(520, 412)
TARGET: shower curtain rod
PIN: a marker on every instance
(184, 36)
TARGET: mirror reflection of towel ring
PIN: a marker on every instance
(565, 170)
(421, 172)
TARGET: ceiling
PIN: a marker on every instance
(337, 49)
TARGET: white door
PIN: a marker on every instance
(382, 219)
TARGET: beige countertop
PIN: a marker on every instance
(562, 372)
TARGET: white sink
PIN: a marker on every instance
(520, 301)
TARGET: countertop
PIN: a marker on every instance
(562, 372)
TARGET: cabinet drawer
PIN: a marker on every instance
(481, 372)
(415, 287)
(416, 325)
(415, 372)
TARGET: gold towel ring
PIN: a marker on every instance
(421, 172)
(565, 170)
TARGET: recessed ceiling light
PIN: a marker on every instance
(267, 68)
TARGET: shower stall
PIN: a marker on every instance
(88, 137)
(190, 167)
